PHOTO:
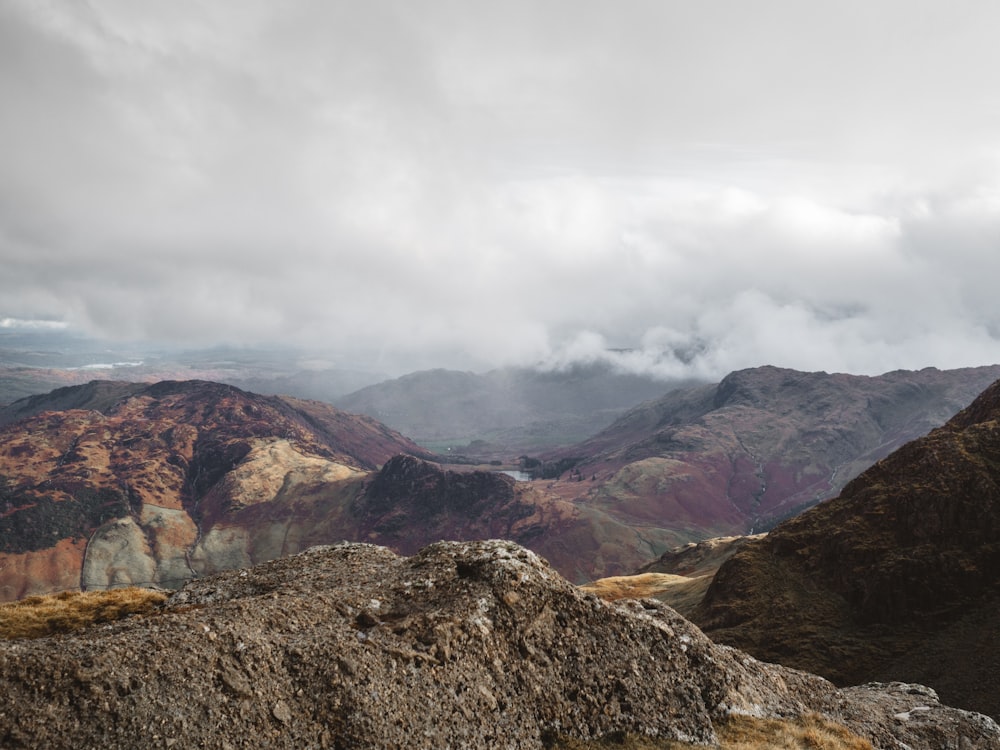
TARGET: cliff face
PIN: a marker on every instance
(474, 645)
(898, 575)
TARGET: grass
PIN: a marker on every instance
(683, 593)
(810, 732)
(37, 616)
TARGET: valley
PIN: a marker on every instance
(167, 484)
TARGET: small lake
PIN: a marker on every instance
(519, 476)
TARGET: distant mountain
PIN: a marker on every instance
(762, 445)
(18, 382)
(897, 578)
(510, 408)
(112, 482)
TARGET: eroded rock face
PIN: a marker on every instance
(471, 645)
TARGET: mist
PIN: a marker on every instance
(676, 190)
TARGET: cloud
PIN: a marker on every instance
(470, 186)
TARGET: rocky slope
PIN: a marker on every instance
(899, 575)
(472, 645)
(134, 482)
(762, 445)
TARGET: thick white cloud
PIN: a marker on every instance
(707, 185)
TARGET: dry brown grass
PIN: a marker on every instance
(632, 587)
(683, 593)
(811, 732)
(37, 616)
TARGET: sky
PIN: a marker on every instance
(684, 188)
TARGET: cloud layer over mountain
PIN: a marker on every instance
(709, 186)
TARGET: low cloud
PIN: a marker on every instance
(542, 185)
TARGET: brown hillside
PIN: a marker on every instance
(114, 483)
(899, 576)
(762, 445)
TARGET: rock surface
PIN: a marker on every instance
(897, 578)
(471, 645)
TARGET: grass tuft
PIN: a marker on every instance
(37, 616)
(810, 732)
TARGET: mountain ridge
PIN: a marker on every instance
(763, 444)
(897, 575)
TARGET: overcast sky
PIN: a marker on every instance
(712, 185)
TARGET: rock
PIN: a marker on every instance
(473, 645)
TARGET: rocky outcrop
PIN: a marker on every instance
(472, 645)
(897, 578)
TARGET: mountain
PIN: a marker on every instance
(510, 409)
(760, 446)
(121, 482)
(111, 483)
(473, 645)
(899, 575)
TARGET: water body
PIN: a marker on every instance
(519, 476)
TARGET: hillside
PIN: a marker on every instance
(473, 645)
(760, 446)
(112, 483)
(898, 576)
(116, 482)
(506, 410)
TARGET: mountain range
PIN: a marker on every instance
(504, 411)
(894, 579)
(117, 482)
